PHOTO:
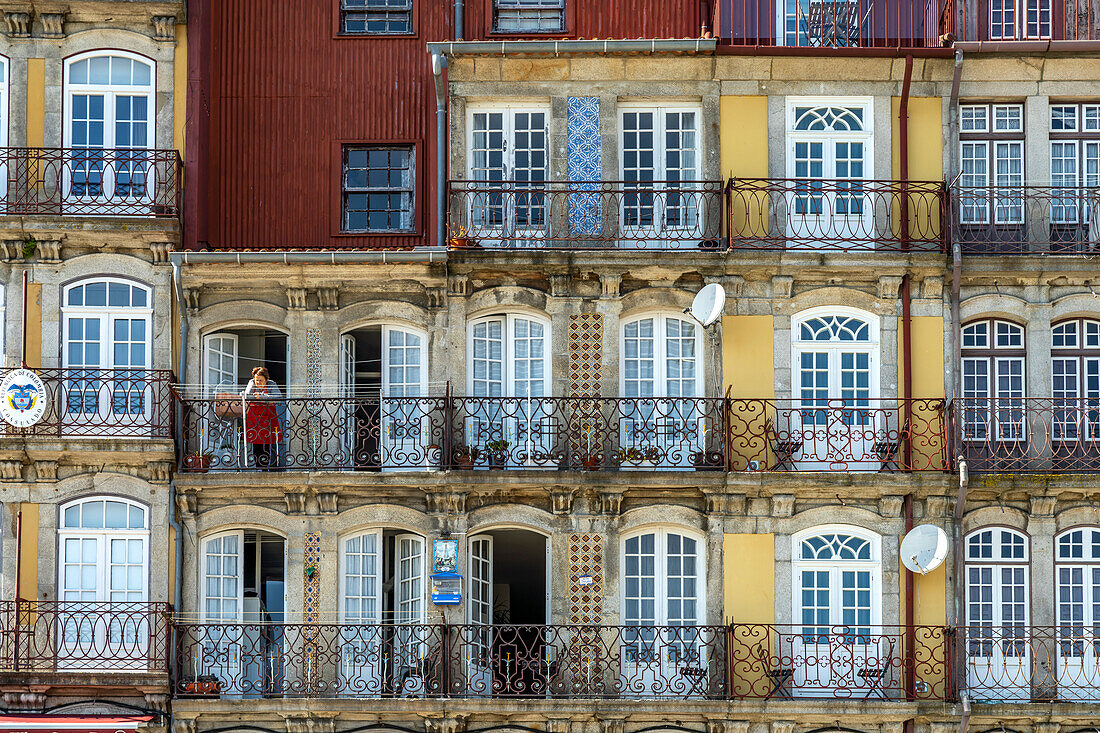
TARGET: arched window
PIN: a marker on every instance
(992, 376)
(661, 357)
(106, 342)
(837, 582)
(997, 614)
(509, 356)
(663, 578)
(109, 100)
(1077, 574)
(104, 551)
(835, 356)
(1075, 379)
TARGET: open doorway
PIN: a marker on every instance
(382, 373)
(509, 594)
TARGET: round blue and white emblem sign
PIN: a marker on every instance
(22, 398)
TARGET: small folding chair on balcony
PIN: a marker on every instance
(779, 677)
(876, 674)
(889, 450)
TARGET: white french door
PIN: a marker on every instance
(1078, 596)
(663, 579)
(405, 429)
(380, 650)
(829, 200)
(510, 376)
(508, 157)
(998, 648)
(348, 429)
(660, 358)
(219, 651)
(836, 421)
(660, 169)
(96, 345)
(103, 581)
(218, 433)
(479, 609)
(1076, 393)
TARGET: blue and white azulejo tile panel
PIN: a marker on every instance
(583, 143)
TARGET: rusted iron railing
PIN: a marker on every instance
(883, 435)
(1031, 219)
(837, 215)
(225, 432)
(1028, 434)
(130, 182)
(89, 402)
(878, 662)
(825, 24)
(473, 661)
(84, 636)
(1015, 662)
(586, 214)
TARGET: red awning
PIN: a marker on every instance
(81, 723)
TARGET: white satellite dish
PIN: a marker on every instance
(708, 304)
(924, 548)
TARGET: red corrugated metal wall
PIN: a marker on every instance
(284, 92)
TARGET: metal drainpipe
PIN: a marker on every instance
(438, 64)
(956, 249)
(910, 612)
(173, 522)
(960, 609)
(903, 164)
(907, 365)
(459, 12)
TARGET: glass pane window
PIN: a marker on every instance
(375, 17)
(660, 166)
(836, 580)
(660, 357)
(529, 16)
(1074, 168)
(377, 189)
(662, 580)
(991, 164)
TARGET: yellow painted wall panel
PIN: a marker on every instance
(925, 163)
(929, 424)
(744, 140)
(749, 600)
(179, 89)
(28, 552)
(930, 616)
(748, 366)
(36, 103)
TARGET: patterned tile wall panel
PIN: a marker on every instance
(313, 382)
(312, 581)
(583, 144)
(585, 561)
(585, 354)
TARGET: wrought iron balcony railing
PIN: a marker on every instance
(837, 215)
(1006, 220)
(838, 435)
(472, 661)
(224, 432)
(1015, 20)
(129, 182)
(100, 403)
(854, 662)
(829, 24)
(1011, 662)
(84, 637)
(1029, 434)
(586, 214)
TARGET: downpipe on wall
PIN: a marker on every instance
(173, 522)
(957, 546)
(439, 62)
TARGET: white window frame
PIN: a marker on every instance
(204, 544)
(103, 537)
(381, 615)
(109, 91)
(998, 560)
(660, 571)
(865, 136)
(871, 346)
(835, 567)
(508, 367)
(991, 417)
(983, 186)
(107, 315)
(659, 123)
(660, 352)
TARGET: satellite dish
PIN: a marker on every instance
(924, 549)
(708, 304)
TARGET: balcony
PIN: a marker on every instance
(91, 182)
(829, 24)
(650, 215)
(101, 403)
(866, 435)
(43, 638)
(1029, 434)
(1014, 21)
(1020, 663)
(222, 432)
(837, 215)
(1015, 220)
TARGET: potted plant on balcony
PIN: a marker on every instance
(707, 460)
(203, 685)
(460, 239)
(590, 462)
(198, 462)
(637, 459)
(465, 457)
(497, 453)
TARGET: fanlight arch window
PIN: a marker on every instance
(106, 343)
(109, 100)
(834, 328)
(104, 548)
(835, 356)
(997, 578)
(837, 582)
(828, 118)
(993, 353)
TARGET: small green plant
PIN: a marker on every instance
(497, 446)
(30, 245)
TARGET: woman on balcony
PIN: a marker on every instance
(262, 428)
